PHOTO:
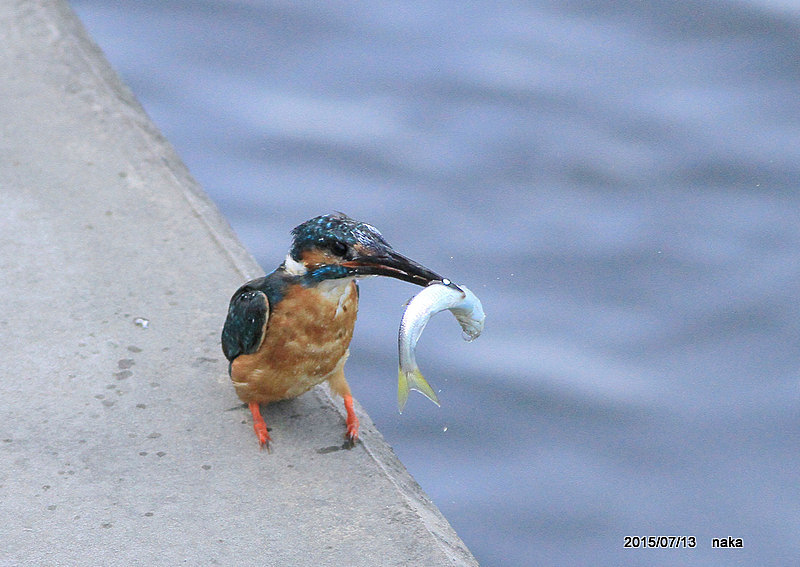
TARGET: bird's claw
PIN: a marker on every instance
(351, 437)
(260, 426)
(263, 435)
(351, 434)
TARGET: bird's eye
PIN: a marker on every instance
(338, 248)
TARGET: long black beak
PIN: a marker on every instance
(390, 263)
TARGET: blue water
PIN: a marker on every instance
(617, 181)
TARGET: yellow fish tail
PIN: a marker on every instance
(413, 380)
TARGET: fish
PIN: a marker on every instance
(436, 297)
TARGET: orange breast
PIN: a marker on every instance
(307, 338)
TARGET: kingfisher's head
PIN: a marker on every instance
(336, 246)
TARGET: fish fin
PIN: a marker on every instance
(402, 390)
(413, 380)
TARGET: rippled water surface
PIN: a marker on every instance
(618, 182)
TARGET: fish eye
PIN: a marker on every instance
(338, 248)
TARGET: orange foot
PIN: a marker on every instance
(259, 425)
(352, 421)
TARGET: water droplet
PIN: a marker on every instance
(141, 322)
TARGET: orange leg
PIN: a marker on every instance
(352, 420)
(259, 425)
(339, 386)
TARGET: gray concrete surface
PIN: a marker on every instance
(122, 444)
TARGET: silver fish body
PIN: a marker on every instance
(466, 308)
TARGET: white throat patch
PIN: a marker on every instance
(336, 290)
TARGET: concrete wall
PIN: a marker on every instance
(124, 443)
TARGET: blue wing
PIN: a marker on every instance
(246, 325)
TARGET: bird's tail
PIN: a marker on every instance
(412, 380)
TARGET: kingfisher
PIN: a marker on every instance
(290, 330)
